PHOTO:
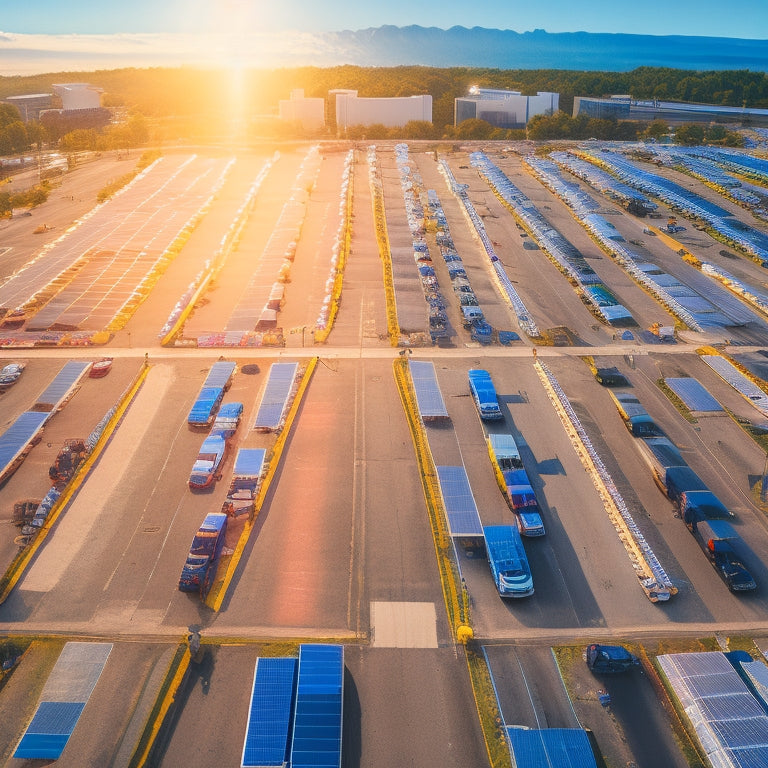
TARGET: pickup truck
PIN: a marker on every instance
(207, 464)
(609, 659)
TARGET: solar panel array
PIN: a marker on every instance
(249, 462)
(428, 395)
(20, 434)
(274, 401)
(549, 747)
(744, 386)
(269, 713)
(281, 244)
(16, 438)
(60, 388)
(731, 725)
(63, 699)
(694, 394)
(317, 720)
(459, 503)
(112, 252)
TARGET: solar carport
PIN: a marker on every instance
(296, 710)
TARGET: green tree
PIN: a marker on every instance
(689, 134)
(656, 129)
(474, 129)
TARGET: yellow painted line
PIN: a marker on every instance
(382, 239)
(216, 595)
(17, 567)
(165, 705)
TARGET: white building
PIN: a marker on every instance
(390, 112)
(504, 109)
(78, 95)
(299, 109)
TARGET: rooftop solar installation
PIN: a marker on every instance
(731, 725)
(463, 517)
(16, 438)
(60, 388)
(64, 696)
(428, 395)
(269, 713)
(317, 722)
(551, 748)
(274, 401)
(693, 393)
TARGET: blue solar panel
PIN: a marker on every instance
(693, 394)
(428, 395)
(276, 394)
(61, 386)
(50, 729)
(560, 747)
(18, 435)
(317, 722)
(269, 715)
(463, 518)
(249, 462)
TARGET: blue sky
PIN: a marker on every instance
(737, 18)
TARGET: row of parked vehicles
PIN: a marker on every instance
(504, 546)
(700, 509)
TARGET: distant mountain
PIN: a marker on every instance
(505, 49)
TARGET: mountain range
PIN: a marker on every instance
(505, 49)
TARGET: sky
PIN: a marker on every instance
(744, 18)
(56, 35)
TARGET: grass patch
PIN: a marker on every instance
(488, 710)
(676, 401)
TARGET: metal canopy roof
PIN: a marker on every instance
(317, 722)
(269, 713)
(428, 395)
(63, 699)
(463, 518)
(276, 394)
(693, 393)
(560, 747)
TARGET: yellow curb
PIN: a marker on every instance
(216, 596)
(18, 566)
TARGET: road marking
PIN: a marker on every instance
(403, 625)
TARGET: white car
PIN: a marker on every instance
(10, 374)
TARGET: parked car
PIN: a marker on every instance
(10, 374)
(610, 658)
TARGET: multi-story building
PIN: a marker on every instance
(310, 112)
(504, 109)
(390, 112)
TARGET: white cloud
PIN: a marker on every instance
(24, 54)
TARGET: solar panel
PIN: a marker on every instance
(744, 386)
(16, 438)
(58, 390)
(727, 718)
(269, 713)
(561, 747)
(428, 395)
(249, 462)
(460, 507)
(220, 374)
(64, 696)
(693, 394)
(317, 722)
(275, 398)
